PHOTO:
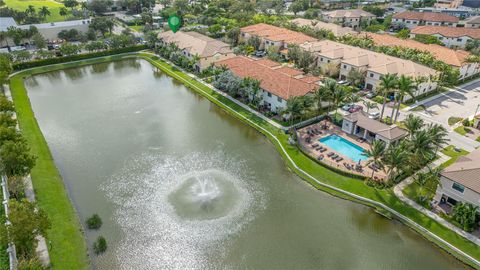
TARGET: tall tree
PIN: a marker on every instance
(406, 87)
(413, 124)
(376, 154)
(387, 84)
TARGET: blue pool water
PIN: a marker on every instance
(344, 147)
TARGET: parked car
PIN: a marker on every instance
(374, 115)
(355, 108)
(347, 107)
(342, 82)
(260, 53)
(371, 95)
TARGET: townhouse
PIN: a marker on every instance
(348, 17)
(413, 19)
(455, 58)
(336, 29)
(273, 36)
(473, 22)
(372, 64)
(278, 83)
(452, 37)
(193, 44)
(460, 182)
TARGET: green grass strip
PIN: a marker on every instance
(337, 183)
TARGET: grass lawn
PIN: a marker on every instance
(462, 130)
(419, 108)
(450, 151)
(453, 120)
(136, 28)
(323, 178)
(53, 6)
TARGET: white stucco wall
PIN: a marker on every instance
(468, 195)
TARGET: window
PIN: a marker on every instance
(321, 59)
(458, 187)
(459, 39)
(279, 99)
(328, 61)
(344, 66)
(269, 94)
(371, 75)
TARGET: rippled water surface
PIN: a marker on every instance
(180, 184)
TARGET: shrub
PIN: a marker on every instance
(100, 245)
(466, 122)
(94, 222)
(58, 60)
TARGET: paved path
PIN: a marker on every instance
(398, 190)
(42, 249)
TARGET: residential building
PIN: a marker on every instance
(452, 37)
(455, 58)
(360, 125)
(193, 44)
(348, 17)
(473, 22)
(460, 12)
(273, 36)
(448, 3)
(278, 83)
(48, 30)
(460, 182)
(336, 29)
(335, 4)
(413, 19)
(372, 64)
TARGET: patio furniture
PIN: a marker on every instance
(315, 145)
(339, 159)
(334, 156)
(330, 154)
(323, 149)
(320, 157)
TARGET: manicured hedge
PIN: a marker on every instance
(58, 60)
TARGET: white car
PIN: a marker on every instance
(374, 115)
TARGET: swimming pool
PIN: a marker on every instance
(344, 147)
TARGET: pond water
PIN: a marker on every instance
(180, 184)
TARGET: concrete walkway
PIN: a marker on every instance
(398, 190)
(42, 249)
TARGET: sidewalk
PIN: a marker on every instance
(398, 190)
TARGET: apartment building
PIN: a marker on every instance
(273, 36)
(452, 37)
(413, 19)
(348, 17)
(193, 44)
(455, 58)
(336, 29)
(473, 22)
(372, 64)
(278, 83)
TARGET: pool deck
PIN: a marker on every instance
(309, 141)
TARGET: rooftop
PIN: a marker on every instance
(195, 43)
(278, 80)
(466, 171)
(426, 16)
(275, 33)
(449, 56)
(337, 30)
(373, 61)
(474, 19)
(362, 120)
(6, 22)
(56, 24)
(453, 32)
(348, 13)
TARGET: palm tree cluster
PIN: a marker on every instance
(467, 215)
(28, 16)
(247, 89)
(427, 182)
(18, 35)
(410, 154)
(173, 53)
(399, 88)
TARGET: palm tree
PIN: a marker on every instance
(370, 105)
(465, 214)
(405, 88)
(421, 147)
(413, 124)
(376, 154)
(438, 135)
(395, 159)
(44, 12)
(30, 10)
(294, 107)
(339, 95)
(63, 11)
(387, 84)
(323, 93)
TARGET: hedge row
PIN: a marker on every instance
(58, 60)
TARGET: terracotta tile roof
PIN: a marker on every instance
(466, 171)
(196, 43)
(451, 32)
(372, 61)
(348, 13)
(449, 56)
(289, 71)
(426, 16)
(337, 30)
(275, 33)
(268, 63)
(272, 80)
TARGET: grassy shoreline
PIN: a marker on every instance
(289, 153)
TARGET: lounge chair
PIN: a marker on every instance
(338, 159)
(334, 156)
(315, 145)
(330, 154)
(320, 157)
(323, 149)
